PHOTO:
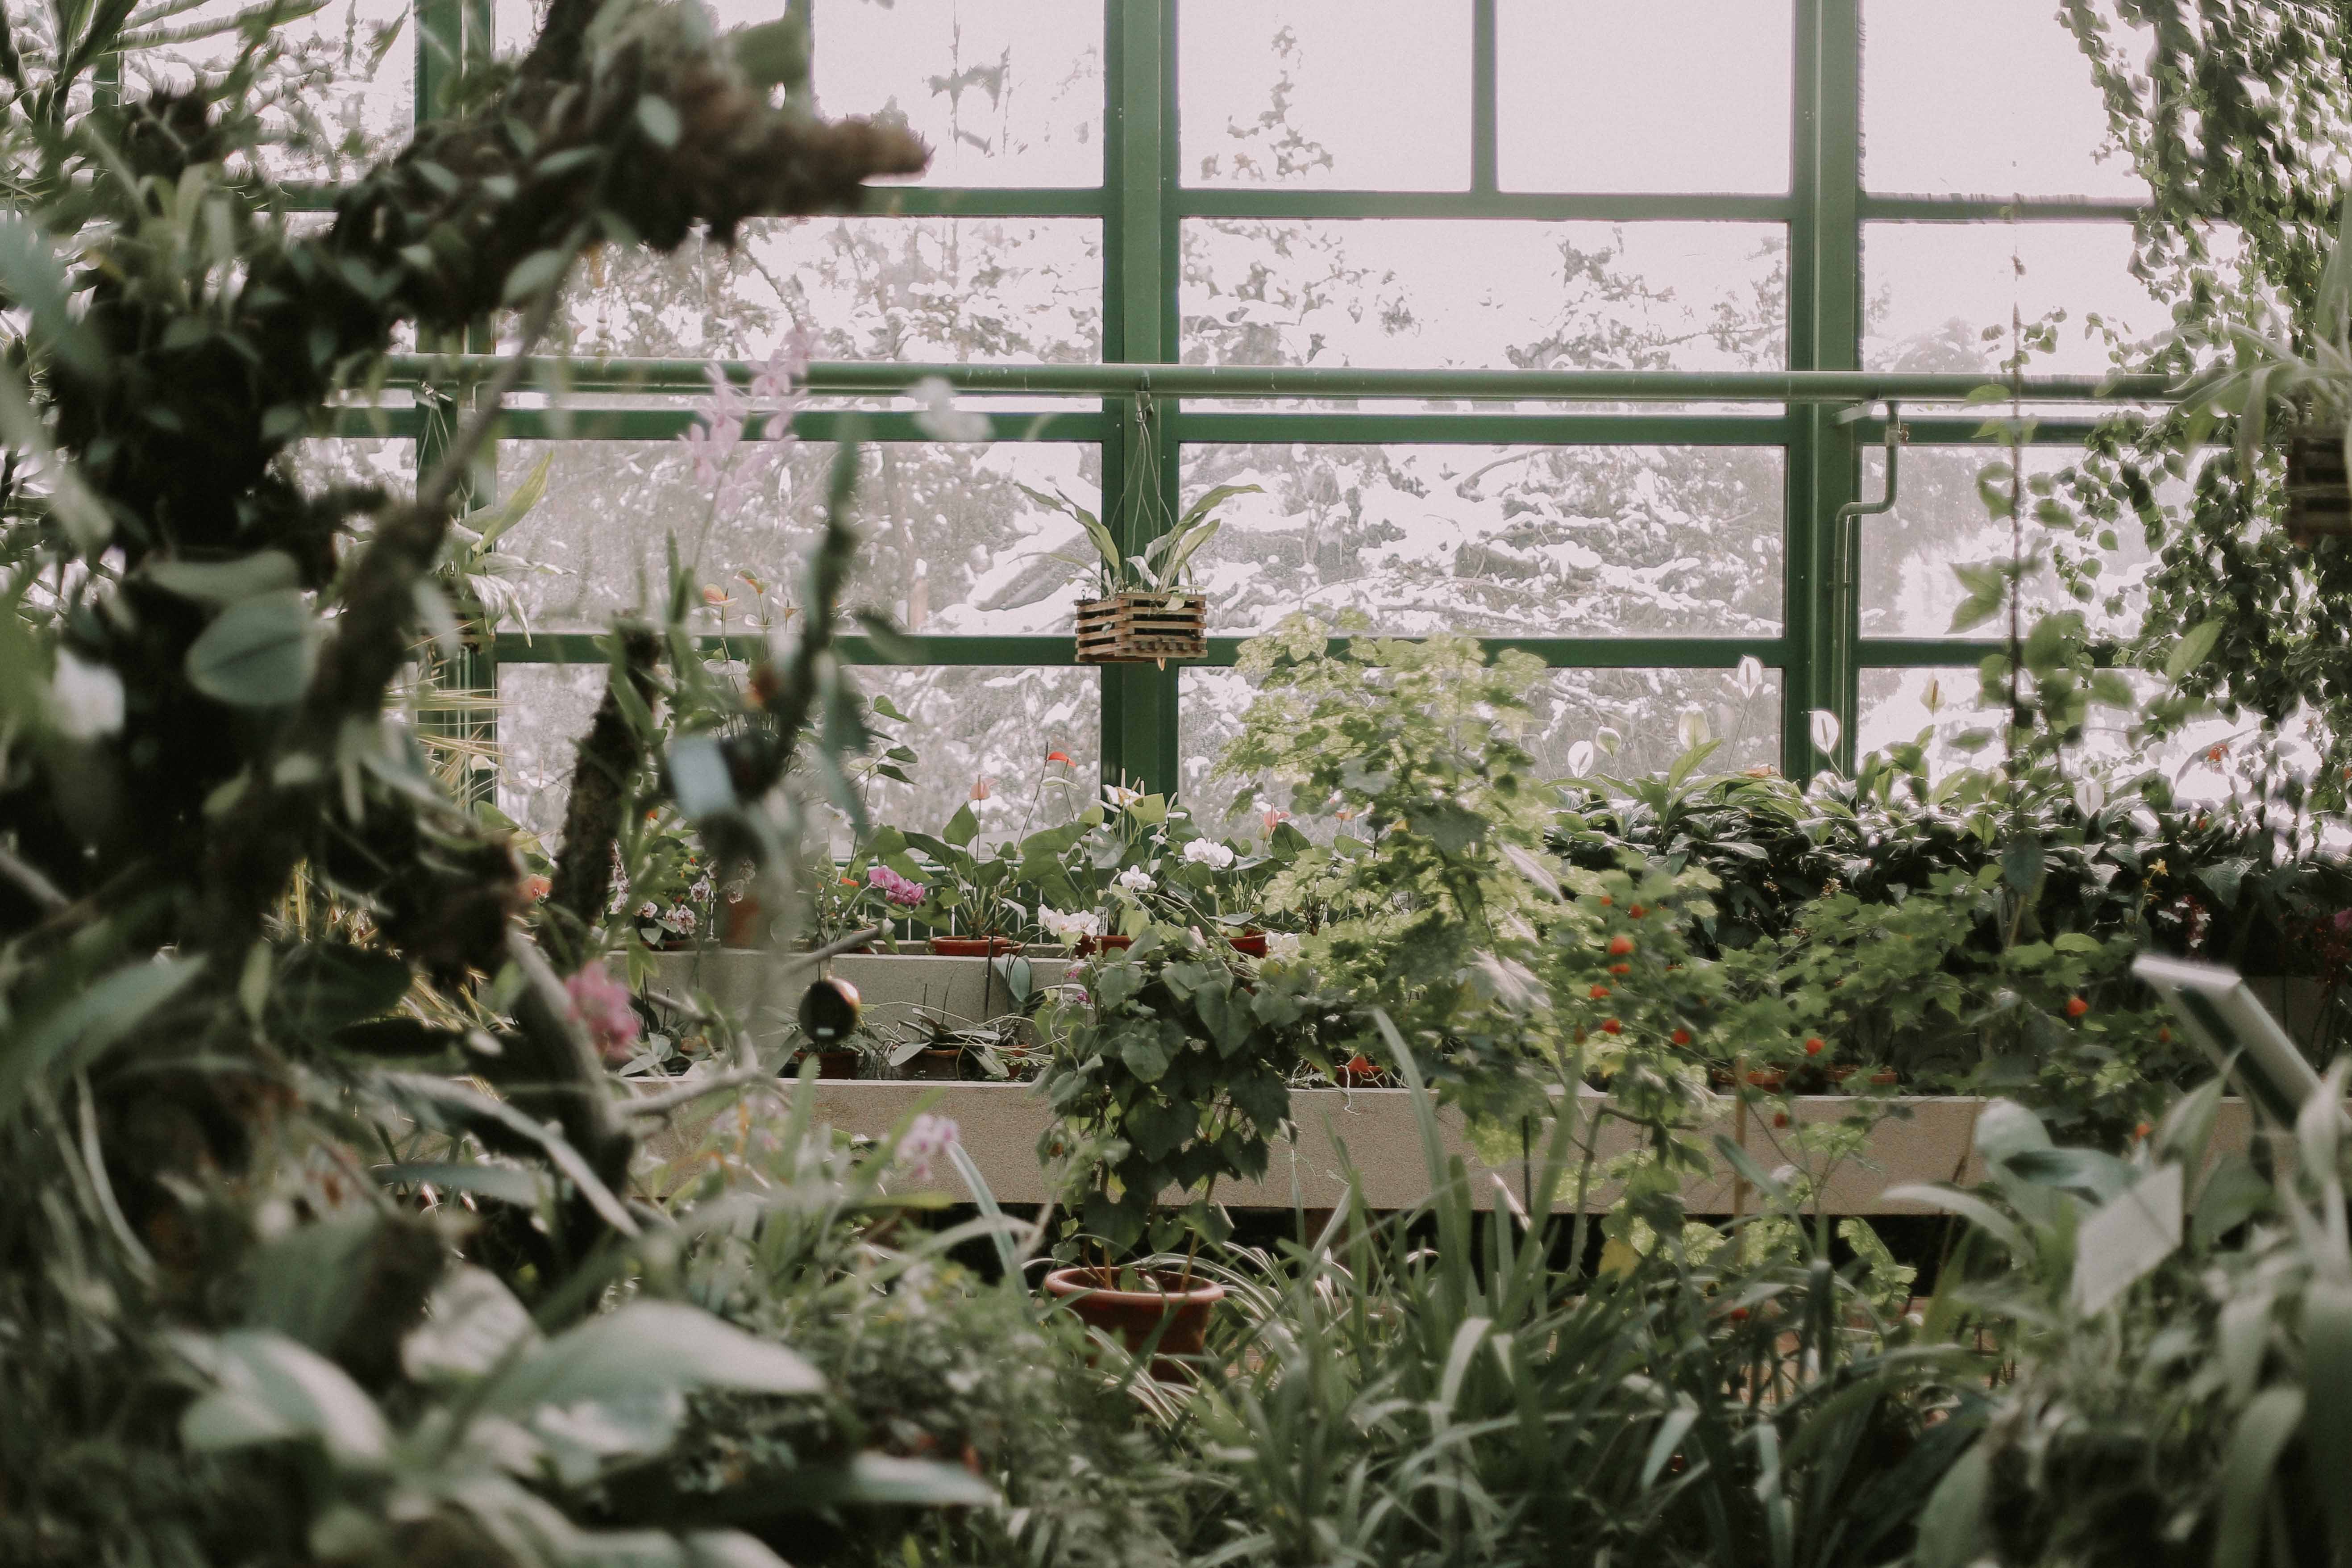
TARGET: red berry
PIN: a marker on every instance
(1780, 1119)
(1682, 1037)
(2076, 1006)
(2164, 1033)
(1606, 900)
(1637, 911)
(1610, 1026)
(1814, 1046)
(2140, 1132)
(1598, 991)
(1621, 969)
(1737, 1314)
(1619, 946)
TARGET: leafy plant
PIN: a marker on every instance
(1165, 566)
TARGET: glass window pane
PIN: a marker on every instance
(967, 722)
(1991, 98)
(324, 460)
(1675, 95)
(1492, 294)
(1933, 290)
(1343, 94)
(876, 287)
(1909, 588)
(1645, 709)
(951, 543)
(544, 711)
(1007, 93)
(341, 95)
(1531, 541)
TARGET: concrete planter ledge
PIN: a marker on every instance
(1924, 1139)
(763, 987)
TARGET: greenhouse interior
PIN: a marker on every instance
(1195, 783)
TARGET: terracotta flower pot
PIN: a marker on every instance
(972, 946)
(942, 1064)
(1766, 1079)
(1886, 1078)
(1133, 1317)
(836, 1064)
(741, 924)
(1252, 943)
(1089, 945)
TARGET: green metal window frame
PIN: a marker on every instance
(1819, 412)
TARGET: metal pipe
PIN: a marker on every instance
(889, 379)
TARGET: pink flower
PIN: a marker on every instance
(895, 889)
(983, 787)
(600, 1004)
(537, 887)
(1274, 819)
(927, 1139)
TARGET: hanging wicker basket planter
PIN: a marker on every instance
(1143, 628)
(2318, 492)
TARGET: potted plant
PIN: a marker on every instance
(968, 899)
(1145, 609)
(667, 893)
(1173, 1076)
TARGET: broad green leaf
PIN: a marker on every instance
(2193, 649)
(535, 274)
(472, 1323)
(226, 582)
(646, 1350)
(258, 653)
(962, 828)
(2262, 1433)
(774, 54)
(75, 1031)
(658, 117)
(271, 1390)
(1951, 1523)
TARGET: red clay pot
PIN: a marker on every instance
(943, 1064)
(740, 923)
(1089, 945)
(836, 1064)
(1132, 1317)
(1252, 943)
(1886, 1078)
(972, 946)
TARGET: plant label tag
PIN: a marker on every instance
(2135, 1230)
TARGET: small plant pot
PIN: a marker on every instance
(1089, 946)
(1133, 1317)
(972, 946)
(743, 923)
(1359, 1073)
(1768, 1079)
(943, 1065)
(1251, 943)
(836, 1064)
(1886, 1078)
(2318, 494)
(1143, 628)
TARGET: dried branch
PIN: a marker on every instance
(610, 756)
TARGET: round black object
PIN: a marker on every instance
(829, 1011)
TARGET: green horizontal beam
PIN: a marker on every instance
(1989, 426)
(1563, 653)
(854, 377)
(388, 424)
(1487, 430)
(1998, 209)
(1566, 207)
(813, 424)
(1954, 653)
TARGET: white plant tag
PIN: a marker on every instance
(2130, 1234)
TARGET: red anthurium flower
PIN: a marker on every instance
(1598, 992)
(1619, 946)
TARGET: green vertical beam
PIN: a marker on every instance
(1824, 333)
(1483, 113)
(1139, 249)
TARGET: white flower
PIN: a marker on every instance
(1282, 944)
(1135, 879)
(1750, 677)
(1607, 739)
(1208, 852)
(1068, 927)
(1825, 730)
(927, 1138)
(85, 700)
(940, 419)
(679, 920)
(649, 910)
(1579, 758)
(1119, 799)
(1933, 696)
(2089, 797)
(1691, 728)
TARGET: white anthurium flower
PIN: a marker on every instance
(1579, 758)
(1825, 730)
(1119, 798)
(1135, 879)
(1691, 729)
(2089, 797)
(84, 698)
(1208, 852)
(1750, 677)
(1933, 696)
(1607, 739)
(1282, 945)
(940, 419)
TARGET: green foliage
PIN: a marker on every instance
(1175, 1078)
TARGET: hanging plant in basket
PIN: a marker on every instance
(1148, 610)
